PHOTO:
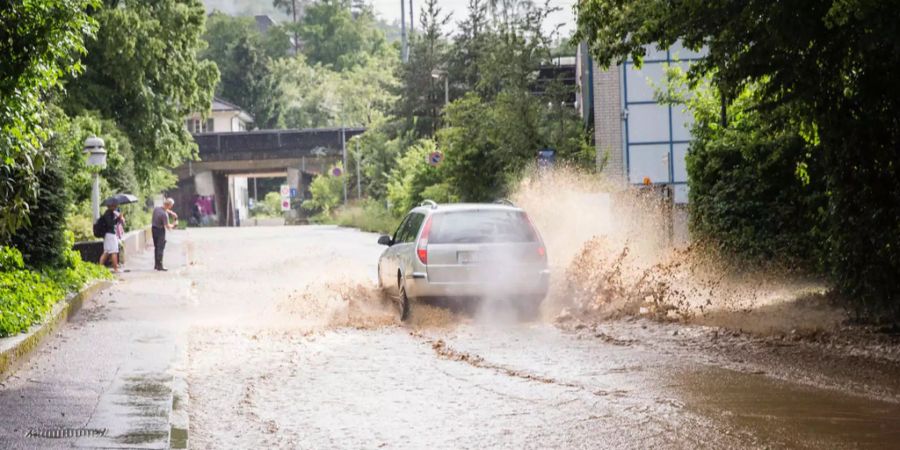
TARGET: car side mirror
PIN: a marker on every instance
(386, 240)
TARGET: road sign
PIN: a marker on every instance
(285, 197)
(336, 172)
(435, 158)
(293, 192)
(546, 157)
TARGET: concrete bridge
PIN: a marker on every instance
(223, 180)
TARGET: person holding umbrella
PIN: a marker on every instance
(112, 223)
(111, 220)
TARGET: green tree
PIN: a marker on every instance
(291, 8)
(333, 36)
(316, 96)
(41, 42)
(835, 64)
(250, 83)
(469, 49)
(421, 95)
(143, 71)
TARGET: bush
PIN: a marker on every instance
(26, 296)
(327, 193)
(269, 207)
(369, 215)
(81, 226)
(755, 187)
(41, 241)
(414, 180)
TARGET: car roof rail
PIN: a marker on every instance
(431, 203)
(504, 201)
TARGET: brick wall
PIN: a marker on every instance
(608, 121)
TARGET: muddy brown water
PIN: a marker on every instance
(777, 413)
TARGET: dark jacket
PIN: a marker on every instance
(109, 221)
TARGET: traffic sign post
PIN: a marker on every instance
(286, 197)
(546, 158)
(435, 158)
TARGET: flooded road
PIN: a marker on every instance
(290, 347)
(276, 338)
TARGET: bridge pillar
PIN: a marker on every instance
(220, 186)
(293, 180)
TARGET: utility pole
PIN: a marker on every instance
(404, 49)
(412, 23)
(344, 158)
(296, 36)
(358, 182)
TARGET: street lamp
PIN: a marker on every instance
(437, 74)
(93, 147)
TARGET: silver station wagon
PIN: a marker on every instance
(467, 252)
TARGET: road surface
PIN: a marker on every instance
(274, 337)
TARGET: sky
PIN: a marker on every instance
(390, 11)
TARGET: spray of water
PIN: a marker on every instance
(611, 254)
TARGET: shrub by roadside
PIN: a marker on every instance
(368, 215)
(27, 295)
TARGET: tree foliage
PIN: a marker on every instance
(316, 96)
(41, 42)
(142, 70)
(43, 242)
(835, 65)
(250, 83)
(335, 37)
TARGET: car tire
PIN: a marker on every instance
(403, 304)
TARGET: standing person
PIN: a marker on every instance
(160, 223)
(110, 220)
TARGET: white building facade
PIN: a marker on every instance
(223, 117)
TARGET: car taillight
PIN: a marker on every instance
(541, 251)
(422, 245)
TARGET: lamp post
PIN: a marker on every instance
(437, 74)
(93, 147)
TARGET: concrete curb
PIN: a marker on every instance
(15, 350)
(179, 420)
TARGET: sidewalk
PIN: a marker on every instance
(105, 379)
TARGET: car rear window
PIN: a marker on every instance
(467, 227)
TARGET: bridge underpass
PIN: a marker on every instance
(218, 184)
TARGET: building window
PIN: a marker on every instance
(199, 126)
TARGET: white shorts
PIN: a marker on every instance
(110, 243)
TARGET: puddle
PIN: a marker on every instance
(789, 415)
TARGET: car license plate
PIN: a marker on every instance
(468, 257)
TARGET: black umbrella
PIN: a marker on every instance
(120, 199)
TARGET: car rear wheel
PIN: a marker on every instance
(403, 304)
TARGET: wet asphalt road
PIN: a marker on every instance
(283, 343)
